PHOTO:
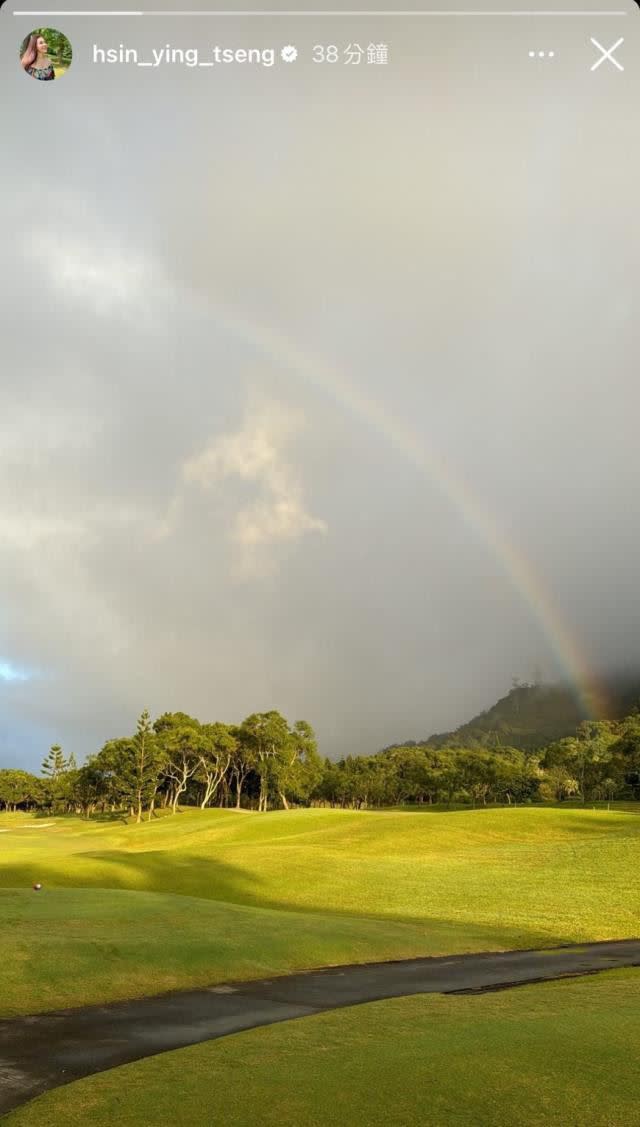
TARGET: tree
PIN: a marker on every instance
(91, 787)
(625, 754)
(586, 756)
(214, 758)
(517, 778)
(557, 783)
(55, 763)
(267, 734)
(19, 788)
(147, 761)
(243, 760)
(126, 772)
(59, 779)
(182, 741)
(113, 774)
(296, 768)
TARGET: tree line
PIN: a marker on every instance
(265, 763)
(176, 760)
(601, 761)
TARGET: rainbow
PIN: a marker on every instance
(526, 582)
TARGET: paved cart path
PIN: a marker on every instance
(45, 1050)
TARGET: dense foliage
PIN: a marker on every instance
(601, 761)
(531, 716)
(176, 760)
(264, 762)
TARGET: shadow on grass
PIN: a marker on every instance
(171, 871)
(162, 871)
(215, 881)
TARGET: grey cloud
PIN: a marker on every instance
(219, 308)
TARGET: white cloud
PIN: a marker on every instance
(92, 265)
(255, 453)
(107, 277)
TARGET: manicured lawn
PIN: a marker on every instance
(213, 895)
(71, 947)
(565, 1054)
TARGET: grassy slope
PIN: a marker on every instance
(563, 1054)
(288, 890)
(73, 947)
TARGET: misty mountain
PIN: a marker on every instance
(531, 716)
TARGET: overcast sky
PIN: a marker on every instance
(244, 313)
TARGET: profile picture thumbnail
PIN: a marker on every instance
(45, 54)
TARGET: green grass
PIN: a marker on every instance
(242, 895)
(72, 947)
(564, 1054)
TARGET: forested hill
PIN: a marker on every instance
(529, 717)
(532, 716)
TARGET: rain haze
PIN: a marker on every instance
(319, 386)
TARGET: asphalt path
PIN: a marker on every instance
(42, 1051)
